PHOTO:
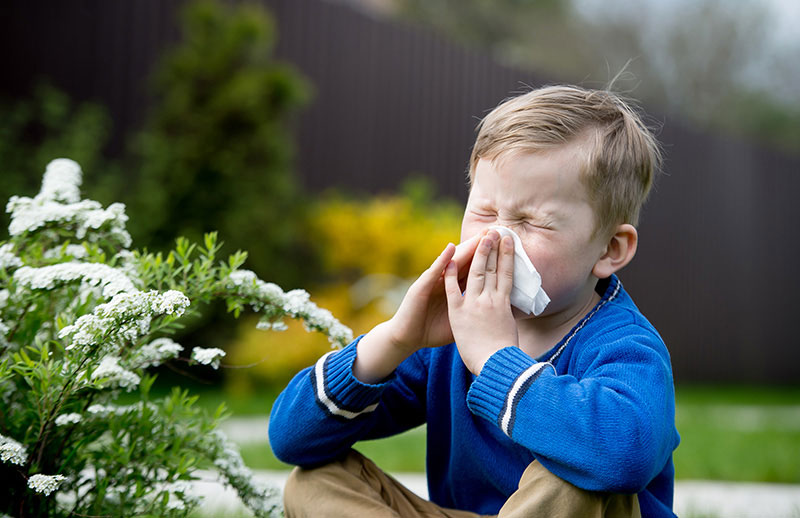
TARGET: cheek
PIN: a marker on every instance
(538, 250)
(546, 264)
(471, 227)
(549, 262)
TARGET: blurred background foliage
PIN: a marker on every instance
(216, 153)
(726, 66)
(399, 234)
(370, 250)
(48, 124)
(216, 150)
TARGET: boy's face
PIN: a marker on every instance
(540, 196)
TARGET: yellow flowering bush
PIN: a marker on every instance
(371, 250)
(394, 235)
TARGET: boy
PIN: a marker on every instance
(567, 413)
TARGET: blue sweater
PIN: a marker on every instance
(597, 410)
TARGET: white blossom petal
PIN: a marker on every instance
(110, 370)
(210, 356)
(7, 257)
(66, 419)
(110, 280)
(45, 484)
(12, 451)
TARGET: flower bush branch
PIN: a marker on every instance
(82, 318)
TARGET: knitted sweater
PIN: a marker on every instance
(597, 410)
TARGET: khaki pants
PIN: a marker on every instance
(355, 487)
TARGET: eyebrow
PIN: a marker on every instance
(518, 210)
(541, 217)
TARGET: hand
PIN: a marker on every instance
(421, 320)
(481, 319)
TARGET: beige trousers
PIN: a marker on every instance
(355, 487)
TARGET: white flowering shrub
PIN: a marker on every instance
(81, 319)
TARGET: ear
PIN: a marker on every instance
(618, 253)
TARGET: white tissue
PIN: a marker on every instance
(527, 294)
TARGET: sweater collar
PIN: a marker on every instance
(610, 290)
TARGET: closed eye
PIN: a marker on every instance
(485, 214)
(537, 225)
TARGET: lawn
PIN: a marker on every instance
(727, 433)
(738, 434)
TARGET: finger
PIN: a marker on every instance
(491, 265)
(477, 271)
(437, 267)
(466, 249)
(451, 287)
(505, 266)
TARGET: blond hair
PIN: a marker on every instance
(623, 155)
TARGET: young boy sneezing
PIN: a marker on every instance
(561, 405)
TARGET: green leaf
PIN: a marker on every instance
(210, 240)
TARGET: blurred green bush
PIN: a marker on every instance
(216, 151)
(46, 125)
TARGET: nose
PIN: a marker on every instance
(503, 222)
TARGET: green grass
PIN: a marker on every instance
(404, 452)
(738, 434)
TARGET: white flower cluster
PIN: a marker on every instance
(4, 294)
(263, 500)
(98, 410)
(296, 304)
(180, 495)
(210, 356)
(62, 181)
(171, 302)
(58, 202)
(3, 330)
(126, 263)
(266, 325)
(7, 257)
(74, 251)
(110, 280)
(114, 375)
(45, 484)
(65, 419)
(127, 316)
(12, 451)
(156, 352)
(295, 301)
(102, 410)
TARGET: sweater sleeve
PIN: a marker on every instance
(325, 409)
(608, 427)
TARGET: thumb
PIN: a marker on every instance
(451, 287)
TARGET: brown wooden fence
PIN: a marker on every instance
(716, 268)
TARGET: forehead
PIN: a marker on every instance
(519, 176)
